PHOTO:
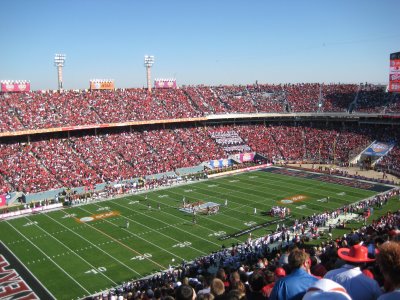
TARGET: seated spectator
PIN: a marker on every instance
(295, 285)
(257, 282)
(217, 288)
(278, 274)
(185, 292)
(237, 292)
(350, 276)
(388, 261)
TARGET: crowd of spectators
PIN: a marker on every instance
(393, 104)
(390, 163)
(91, 159)
(361, 264)
(38, 110)
(371, 99)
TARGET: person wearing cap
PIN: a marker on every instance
(350, 276)
(294, 285)
(388, 260)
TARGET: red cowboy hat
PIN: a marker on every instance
(356, 253)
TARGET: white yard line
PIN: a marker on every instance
(73, 252)
(198, 225)
(95, 246)
(178, 228)
(291, 188)
(132, 234)
(49, 258)
(29, 271)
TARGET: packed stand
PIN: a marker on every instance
(9, 120)
(62, 161)
(229, 140)
(394, 104)
(88, 160)
(211, 100)
(259, 138)
(236, 98)
(268, 98)
(176, 103)
(338, 97)
(303, 97)
(391, 162)
(38, 110)
(23, 171)
(198, 143)
(371, 99)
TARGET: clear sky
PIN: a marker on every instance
(208, 42)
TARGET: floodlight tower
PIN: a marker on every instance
(59, 60)
(148, 62)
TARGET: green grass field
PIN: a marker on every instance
(74, 259)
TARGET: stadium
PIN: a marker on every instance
(191, 191)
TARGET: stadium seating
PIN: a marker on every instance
(38, 110)
(91, 159)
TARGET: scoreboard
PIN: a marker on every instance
(394, 73)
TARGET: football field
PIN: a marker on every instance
(82, 250)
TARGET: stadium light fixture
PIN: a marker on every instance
(148, 63)
(59, 61)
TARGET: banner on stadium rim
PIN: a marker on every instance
(378, 149)
(244, 157)
(219, 163)
(15, 87)
(102, 84)
(165, 83)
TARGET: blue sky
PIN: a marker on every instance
(199, 42)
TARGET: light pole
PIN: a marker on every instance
(148, 62)
(59, 60)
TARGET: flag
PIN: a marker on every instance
(3, 200)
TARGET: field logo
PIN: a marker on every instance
(142, 257)
(217, 234)
(30, 223)
(182, 245)
(295, 198)
(301, 206)
(12, 285)
(98, 216)
(103, 208)
(69, 216)
(250, 224)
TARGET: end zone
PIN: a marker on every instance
(17, 282)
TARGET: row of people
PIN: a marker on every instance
(91, 159)
(37, 110)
